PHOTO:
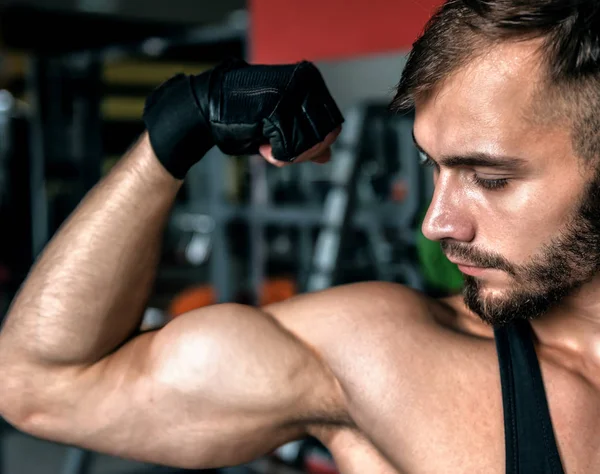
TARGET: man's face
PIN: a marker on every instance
(510, 194)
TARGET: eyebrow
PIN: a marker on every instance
(484, 160)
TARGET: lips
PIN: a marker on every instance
(471, 270)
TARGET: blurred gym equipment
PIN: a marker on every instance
(240, 228)
(54, 148)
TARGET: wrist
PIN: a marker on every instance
(177, 127)
(143, 162)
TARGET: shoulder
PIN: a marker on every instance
(362, 303)
(372, 323)
(380, 334)
(348, 312)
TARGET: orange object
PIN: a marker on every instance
(399, 191)
(273, 290)
(277, 289)
(190, 299)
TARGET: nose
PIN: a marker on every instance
(448, 216)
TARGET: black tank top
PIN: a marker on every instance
(529, 437)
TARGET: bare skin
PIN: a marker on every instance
(390, 380)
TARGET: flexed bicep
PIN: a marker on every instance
(216, 387)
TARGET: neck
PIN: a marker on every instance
(570, 333)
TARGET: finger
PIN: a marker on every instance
(332, 137)
(278, 163)
(267, 153)
(319, 148)
(323, 158)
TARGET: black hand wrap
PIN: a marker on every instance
(239, 107)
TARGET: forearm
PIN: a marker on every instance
(87, 291)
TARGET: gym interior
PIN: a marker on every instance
(74, 75)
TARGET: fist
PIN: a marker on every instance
(287, 107)
(284, 112)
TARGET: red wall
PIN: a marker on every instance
(291, 30)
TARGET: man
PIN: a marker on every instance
(507, 97)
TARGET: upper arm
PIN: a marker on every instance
(218, 386)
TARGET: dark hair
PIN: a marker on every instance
(569, 34)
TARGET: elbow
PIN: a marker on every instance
(20, 405)
(29, 393)
(27, 416)
(15, 406)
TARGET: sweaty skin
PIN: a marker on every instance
(390, 380)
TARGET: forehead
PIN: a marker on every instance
(487, 106)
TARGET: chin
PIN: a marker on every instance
(501, 306)
(495, 294)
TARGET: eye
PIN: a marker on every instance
(490, 184)
(424, 160)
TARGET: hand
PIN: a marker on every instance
(320, 153)
(241, 108)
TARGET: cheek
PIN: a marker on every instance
(519, 222)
